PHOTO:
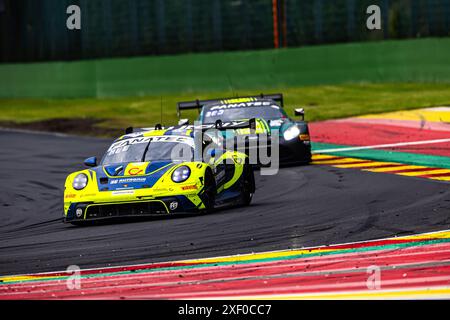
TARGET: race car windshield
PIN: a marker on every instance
(229, 114)
(169, 151)
(147, 149)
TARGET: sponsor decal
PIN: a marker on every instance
(237, 100)
(70, 196)
(88, 195)
(276, 123)
(135, 171)
(192, 187)
(305, 137)
(241, 105)
(127, 180)
(173, 205)
(79, 212)
(122, 192)
(124, 145)
(214, 113)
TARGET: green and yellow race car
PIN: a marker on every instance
(159, 172)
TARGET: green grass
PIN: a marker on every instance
(320, 102)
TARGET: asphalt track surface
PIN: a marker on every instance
(301, 206)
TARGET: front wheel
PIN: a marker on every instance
(209, 195)
(81, 223)
(248, 185)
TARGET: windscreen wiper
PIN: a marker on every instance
(145, 151)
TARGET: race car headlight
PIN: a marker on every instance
(291, 133)
(181, 174)
(80, 181)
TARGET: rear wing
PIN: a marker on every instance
(198, 104)
(218, 125)
(233, 125)
(223, 126)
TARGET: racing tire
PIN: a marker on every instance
(81, 223)
(248, 185)
(209, 195)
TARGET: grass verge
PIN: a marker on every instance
(320, 102)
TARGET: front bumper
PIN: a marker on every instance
(295, 151)
(90, 211)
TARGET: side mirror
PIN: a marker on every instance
(218, 124)
(300, 112)
(212, 153)
(90, 162)
(183, 122)
(129, 130)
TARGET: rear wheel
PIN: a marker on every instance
(248, 185)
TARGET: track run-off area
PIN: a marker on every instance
(411, 267)
(367, 219)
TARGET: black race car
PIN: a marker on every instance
(294, 139)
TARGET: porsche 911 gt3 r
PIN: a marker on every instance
(294, 139)
(158, 172)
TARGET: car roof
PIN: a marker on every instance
(157, 133)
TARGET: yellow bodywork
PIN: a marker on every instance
(261, 127)
(163, 187)
(191, 188)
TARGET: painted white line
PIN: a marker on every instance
(378, 146)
